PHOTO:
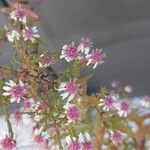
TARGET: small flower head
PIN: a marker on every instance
(12, 36)
(7, 143)
(115, 83)
(69, 52)
(72, 112)
(145, 101)
(19, 15)
(47, 60)
(128, 88)
(30, 34)
(107, 103)
(85, 45)
(73, 144)
(116, 137)
(16, 91)
(123, 109)
(86, 141)
(38, 138)
(27, 104)
(70, 89)
(16, 117)
(96, 57)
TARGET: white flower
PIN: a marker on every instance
(13, 35)
(30, 33)
(69, 52)
(72, 112)
(47, 60)
(85, 45)
(86, 141)
(107, 103)
(19, 15)
(16, 91)
(123, 108)
(96, 57)
(70, 90)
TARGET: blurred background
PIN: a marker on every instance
(120, 27)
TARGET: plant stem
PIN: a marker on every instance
(6, 114)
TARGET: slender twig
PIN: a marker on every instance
(30, 75)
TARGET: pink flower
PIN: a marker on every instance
(69, 52)
(73, 144)
(47, 60)
(27, 104)
(19, 15)
(96, 57)
(16, 117)
(145, 101)
(85, 45)
(123, 109)
(16, 91)
(40, 105)
(38, 139)
(7, 143)
(30, 34)
(86, 141)
(116, 137)
(70, 90)
(107, 103)
(72, 112)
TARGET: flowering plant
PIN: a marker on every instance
(56, 104)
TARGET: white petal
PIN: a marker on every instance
(81, 139)
(6, 88)
(68, 139)
(65, 95)
(6, 94)
(71, 97)
(88, 136)
(95, 65)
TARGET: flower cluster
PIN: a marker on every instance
(111, 103)
(83, 53)
(60, 112)
(15, 91)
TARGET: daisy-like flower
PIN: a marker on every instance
(16, 117)
(85, 45)
(107, 103)
(13, 35)
(19, 15)
(123, 109)
(16, 91)
(69, 52)
(72, 112)
(30, 34)
(96, 57)
(47, 60)
(7, 143)
(116, 137)
(70, 90)
(40, 105)
(38, 137)
(145, 101)
(27, 104)
(86, 141)
(73, 144)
